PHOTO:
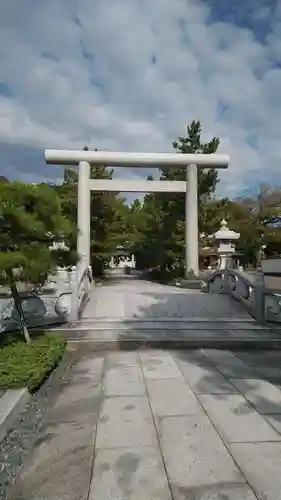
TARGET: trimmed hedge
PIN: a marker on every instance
(28, 365)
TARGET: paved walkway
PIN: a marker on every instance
(149, 425)
(136, 298)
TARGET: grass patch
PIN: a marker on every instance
(28, 365)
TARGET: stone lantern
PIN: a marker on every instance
(226, 247)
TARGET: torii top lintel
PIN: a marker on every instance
(108, 158)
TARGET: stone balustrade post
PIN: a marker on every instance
(74, 284)
(259, 298)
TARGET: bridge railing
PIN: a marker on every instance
(81, 280)
(262, 301)
(45, 305)
(60, 299)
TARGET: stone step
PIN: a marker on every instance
(165, 319)
(133, 334)
(112, 340)
(197, 324)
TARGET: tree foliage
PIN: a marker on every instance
(108, 215)
(30, 220)
(161, 219)
(163, 215)
(259, 222)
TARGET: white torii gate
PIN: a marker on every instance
(189, 161)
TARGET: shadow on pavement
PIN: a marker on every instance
(256, 375)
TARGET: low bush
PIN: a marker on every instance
(28, 365)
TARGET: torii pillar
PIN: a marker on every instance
(84, 212)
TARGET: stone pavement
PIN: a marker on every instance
(149, 425)
(129, 297)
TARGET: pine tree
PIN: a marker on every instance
(30, 220)
(163, 241)
(107, 215)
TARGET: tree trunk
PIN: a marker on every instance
(17, 301)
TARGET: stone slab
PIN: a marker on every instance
(187, 342)
(261, 359)
(91, 368)
(159, 364)
(124, 381)
(261, 465)
(250, 332)
(60, 466)
(172, 397)
(76, 403)
(263, 395)
(116, 359)
(12, 403)
(197, 462)
(125, 422)
(172, 325)
(129, 474)
(269, 372)
(192, 357)
(105, 302)
(231, 491)
(207, 381)
(271, 354)
(275, 421)
(229, 365)
(185, 333)
(236, 420)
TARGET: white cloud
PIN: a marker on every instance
(129, 74)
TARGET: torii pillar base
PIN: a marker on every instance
(192, 284)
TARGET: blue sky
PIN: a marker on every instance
(130, 74)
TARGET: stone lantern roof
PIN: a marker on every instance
(225, 233)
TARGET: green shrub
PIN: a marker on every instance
(28, 365)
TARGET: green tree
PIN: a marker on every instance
(264, 206)
(257, 218)
(30, 220)
(207, 178)
(163, 234)
(108, 214)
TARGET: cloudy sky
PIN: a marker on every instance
(130, 74)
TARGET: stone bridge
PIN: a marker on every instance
(129, 310)
(232, 308)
